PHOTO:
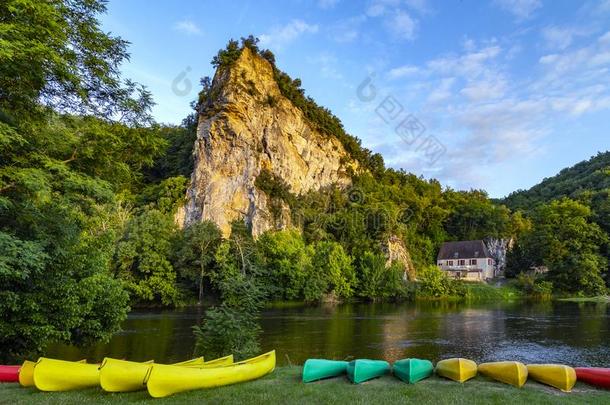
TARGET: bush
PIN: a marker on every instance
(142, 258)
(534, 286)
(378, 282)
(287, 264)
(332, 264)
(434, 283)
(225, 331)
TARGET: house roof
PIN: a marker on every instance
(468, 249)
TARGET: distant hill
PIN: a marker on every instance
(587, 179)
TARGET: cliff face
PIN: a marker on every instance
(249, 128)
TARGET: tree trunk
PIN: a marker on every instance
(201, 286)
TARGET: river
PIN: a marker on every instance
(571, 333)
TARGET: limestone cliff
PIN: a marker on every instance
(249, 128)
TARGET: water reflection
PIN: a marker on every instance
(574, 333)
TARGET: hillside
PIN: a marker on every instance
(590, 176)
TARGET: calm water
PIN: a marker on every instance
(571, 333)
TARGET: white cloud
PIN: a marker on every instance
(347, 30)
(402, 71)
(282, 36)
(471, 64)
(521, 9)
(604, 6)
(325, 4)
(561, 38)
(485, 90)
(605, 39)
(443, 91)
(327, 63)
(402, 25)
(378, 8)
(481, 110)
(187, 27)
(421, 6)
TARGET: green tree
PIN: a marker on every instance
(196, 250)
(564, 239)
(474, 216)
(232, 327)
(332, 263)
(54, 52)
(378, 282)
(287, 263)
(143, 258)
(433, 282)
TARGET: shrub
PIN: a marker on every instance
(334, 266)
(376, 281)
(433, 282)
(225, 331)
(534, 286)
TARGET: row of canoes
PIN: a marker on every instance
(114, 375)
(457, 369)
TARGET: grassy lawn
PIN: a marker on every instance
(482, 291)
(284, 387)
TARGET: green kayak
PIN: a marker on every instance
(363, 370)
(413, 370)
(317, 369)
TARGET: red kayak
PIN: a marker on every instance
(600, 377)
(9, 373)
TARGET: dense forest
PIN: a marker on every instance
(570, 213)
(89, 185)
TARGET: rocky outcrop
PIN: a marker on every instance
(396, 251)
(249, 128)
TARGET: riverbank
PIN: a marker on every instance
(600, 299)
(284, 386)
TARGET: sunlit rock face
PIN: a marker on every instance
(250, 127)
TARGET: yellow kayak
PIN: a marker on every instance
(60, 375)
(167, 380)
(124, 376)
(26, 373)
(509, 372)
(555, 375)
(457, 369)
(219, 362)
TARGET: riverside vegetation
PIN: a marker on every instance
(90, 184)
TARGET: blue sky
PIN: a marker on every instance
(493, 94)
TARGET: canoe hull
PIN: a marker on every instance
(26, 374)
(165, 380)
(126, 376)
(457, 369)
(60, 375)
(556, 375)
(362, 370)
(318, 369)
(412, 370)
(123, 376)
(508, 372)
(9, 373)
(599, 377)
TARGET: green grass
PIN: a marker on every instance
(601, 298)
(284, 387)
(482, 291)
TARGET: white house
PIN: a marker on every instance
(468, 260)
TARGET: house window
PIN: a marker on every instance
(462, 262)
(449, 262)
(473, 262)
(489, 262)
